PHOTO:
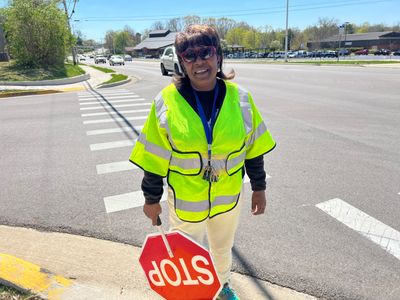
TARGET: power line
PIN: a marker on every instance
(245, 12)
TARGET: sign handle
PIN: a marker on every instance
(164, 238)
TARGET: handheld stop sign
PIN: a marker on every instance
(177, 267)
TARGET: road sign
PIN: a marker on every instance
(185, 272)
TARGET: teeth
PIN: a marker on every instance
(200, 71)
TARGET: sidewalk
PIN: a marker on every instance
(96, 77)
(77, 267)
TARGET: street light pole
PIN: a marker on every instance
(286, 35)
(69, 27)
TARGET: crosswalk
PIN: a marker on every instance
(101, 108)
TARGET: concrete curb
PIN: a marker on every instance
(94, 269)
(61, 81)
(107, 85)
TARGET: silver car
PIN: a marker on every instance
(169, 61)
(116, 60)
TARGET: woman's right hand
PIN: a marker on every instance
(152, 211)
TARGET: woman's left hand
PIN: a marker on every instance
(258, 203)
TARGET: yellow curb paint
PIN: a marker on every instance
(31, 277)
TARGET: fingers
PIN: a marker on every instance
(152, 211)
(258, 209)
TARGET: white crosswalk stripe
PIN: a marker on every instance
(112, 145)
(118, 166)
(127, 201)
(116, 106)
(114, 120)
(108, 98)
(113, 130)
(376, 231)
(115, 113)
(113, 101)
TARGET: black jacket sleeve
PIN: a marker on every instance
(255, 171)
(152, 187)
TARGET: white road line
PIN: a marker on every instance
(113, 130)
(113, 167)
(112, 145)
(116, 106)
(114, 120)
(103, 92)
(108, 98)
(127, 201)
(115, 113)
(113, 101)
(378, 232)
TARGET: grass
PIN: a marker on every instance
(116, 78)
(9, 71)
(7, 293)
(105, 70)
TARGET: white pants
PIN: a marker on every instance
(220, 232)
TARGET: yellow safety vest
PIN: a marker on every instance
(173, 144)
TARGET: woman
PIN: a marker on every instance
(203, 133)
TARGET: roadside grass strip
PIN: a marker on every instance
(376, 231)
(32, 278)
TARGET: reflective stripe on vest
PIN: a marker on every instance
(246, 109)
(204, 205)
(153, 148)
(259, 131)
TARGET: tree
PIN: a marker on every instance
(37, 33)
(275, 45)
(158, 25)
(174, 24)
(110, 40)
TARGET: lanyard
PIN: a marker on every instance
(207, 127)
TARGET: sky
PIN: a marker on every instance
(95, 17)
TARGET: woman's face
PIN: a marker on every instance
(201, 65)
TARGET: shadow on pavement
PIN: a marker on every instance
(109, 105)
(247, 266)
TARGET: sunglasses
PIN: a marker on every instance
(190, 55)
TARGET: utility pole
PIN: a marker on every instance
(73, 50)
(286, 36)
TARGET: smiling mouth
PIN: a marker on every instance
(201, 71)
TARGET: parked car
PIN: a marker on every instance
(100, 59)
(127, 57)
(361, 52)
(169, 61)
(344, 52)
(382, 52)
(397, 52)
(116, 60)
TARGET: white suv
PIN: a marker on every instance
(169, 61)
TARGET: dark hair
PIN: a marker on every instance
(198, 35)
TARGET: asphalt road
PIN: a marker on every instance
(338, 137)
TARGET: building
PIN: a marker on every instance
(154, 45)
(370, 40)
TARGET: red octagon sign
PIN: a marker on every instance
(188, 275)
